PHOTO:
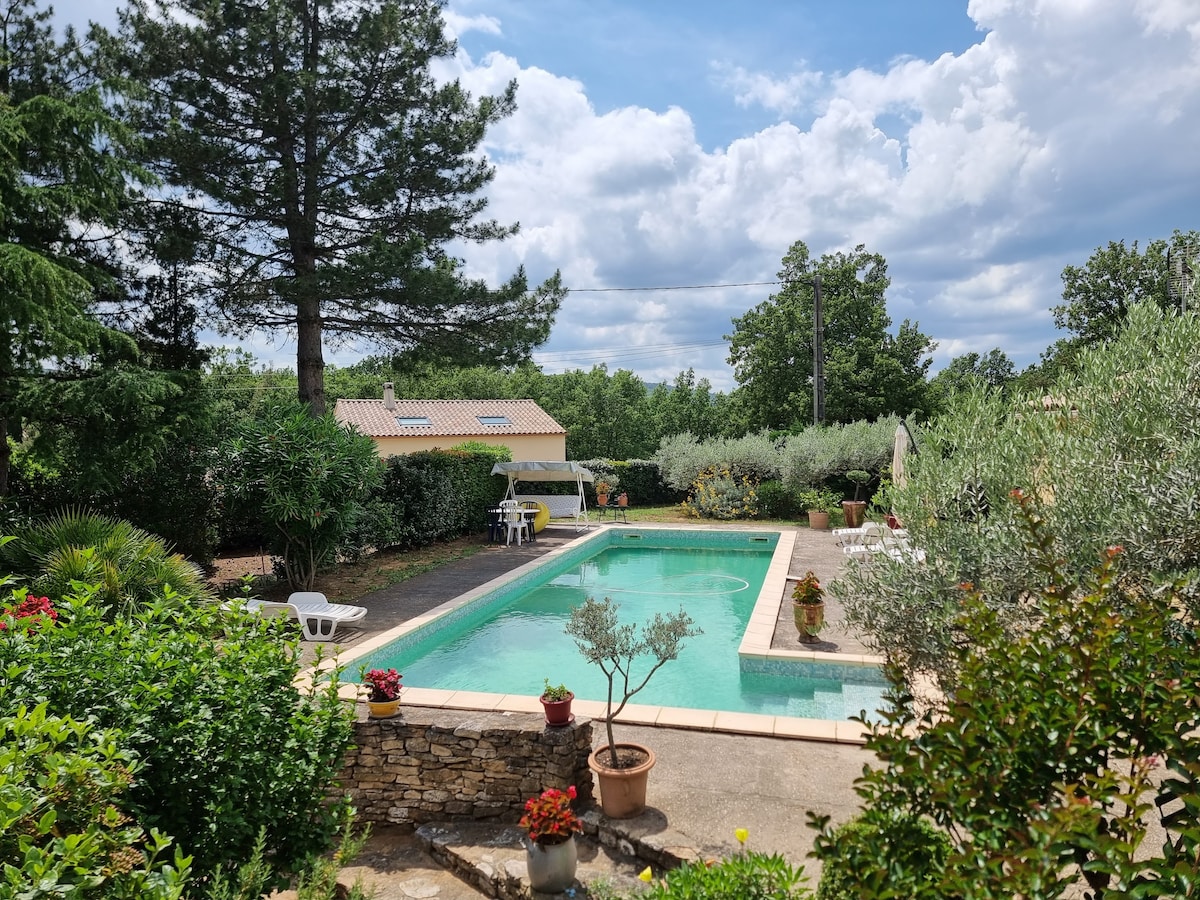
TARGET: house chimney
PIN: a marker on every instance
(389, 397)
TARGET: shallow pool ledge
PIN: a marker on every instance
(756, 645)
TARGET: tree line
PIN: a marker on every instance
(298, 168)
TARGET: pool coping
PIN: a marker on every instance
(756, 644)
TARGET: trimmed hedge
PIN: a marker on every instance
(433, 495)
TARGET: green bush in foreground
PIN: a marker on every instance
(917, 850)
(745, 875)
(63, 831)
(228, 746)
(1060, 748)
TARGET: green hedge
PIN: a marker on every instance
(433, 495)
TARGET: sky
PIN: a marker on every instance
(979, 146)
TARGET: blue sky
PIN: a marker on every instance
(979, 146)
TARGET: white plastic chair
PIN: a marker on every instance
(868, 539)
(514, 520)
(318, 617)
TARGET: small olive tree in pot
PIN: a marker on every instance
(623, 769)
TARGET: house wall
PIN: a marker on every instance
(524, 447)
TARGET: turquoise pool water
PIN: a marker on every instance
(511, 640)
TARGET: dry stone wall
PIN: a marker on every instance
(438, 765)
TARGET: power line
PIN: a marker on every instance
(674, 287)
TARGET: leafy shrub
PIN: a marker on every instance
(61, 821)
(174, 498)
(744, 876)
(820, 454)
(1048, 792)
(819, 499)
(1114, 454)
(639, 478)
(309, 476)
(722, 495)
(682, 458)
(851, 853)
(430, 496)
(643, 482)
(777, 501)
(206, 701)
(130, 566)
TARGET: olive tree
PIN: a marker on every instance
(1112, 454)
(1057, 754)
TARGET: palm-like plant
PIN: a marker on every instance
(130, 565)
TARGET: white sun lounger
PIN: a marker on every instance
(318, 617)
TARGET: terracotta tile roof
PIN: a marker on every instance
(446, 417)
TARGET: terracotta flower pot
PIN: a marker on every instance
(558, 712)
(622, 791)
(854, 511)
(818, 520)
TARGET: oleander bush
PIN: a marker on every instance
(308, 477)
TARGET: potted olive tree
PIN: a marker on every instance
(623, 769)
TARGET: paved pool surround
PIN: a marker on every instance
(756, 648)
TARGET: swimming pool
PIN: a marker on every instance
(510, 637)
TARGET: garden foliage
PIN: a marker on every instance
(719, 494)
(128, 565)
(431, 495)
(682, 458)
(820, 454)
(916, 854)
(227, 745)
(308, 476)
(1060, 747)
(63, 829)
(745, 875)
(1113, 454)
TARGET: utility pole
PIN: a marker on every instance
(818, 354)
